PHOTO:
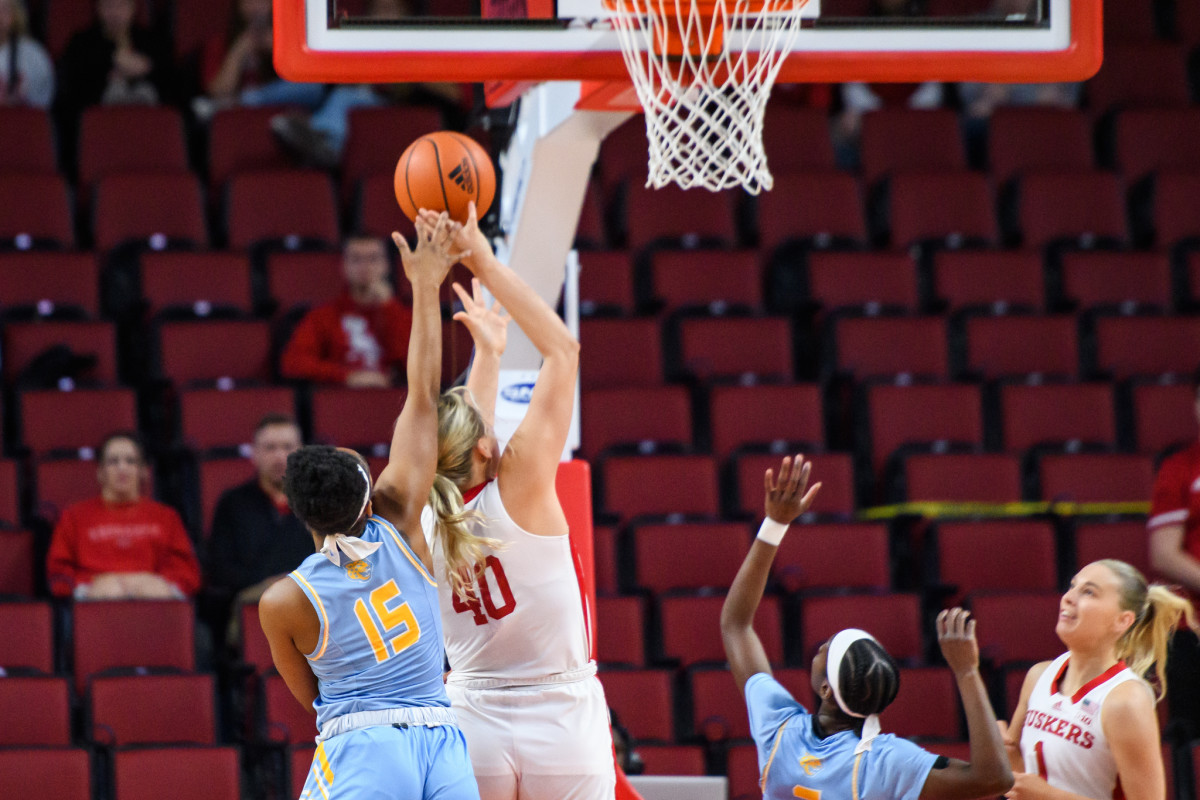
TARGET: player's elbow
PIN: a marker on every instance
(565, 351)
(994, 781)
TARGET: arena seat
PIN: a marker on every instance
(962, 478)
(1175, 198)
(49, 727)
(816, 561)
(1125, 540)
(797, 139)
(240, 140)
(705, 279)
(604, 552)
(355, 417)
(659, 485)
(375, 209)
(152, 709)
(201, 352)
(29, 642)
(143, 206)
(68, 282)
(735, 347)
(944, 208)
(1017, 627)
(901, 139)
(199, 283)
(691, 635)
(26, 142)
(182, 773)
(1012, 345)
(671, 759)
(35, 210)
(657, 550)
(131, 633)
(1080, 209)
(1142, 75)
(629, 416)
(894, 619)
(278, 205)
(608, 343)
(853, 280)
(811, 207)
(927, 705)
(16, 546)
(113, 140)
(915, 346)
(899, 416)
(1111, 279)
(1096, 477)
(1049, 414)
(216, 476)
(1133, 346)
(1034, 139)
(744, 416)
(372, 136)
(644, 701)
(834, 470)
(216, 418)
(985, 278)
(1157, 140)
(63, 773)
(23, 342)
(1164, 415)
(606, 282)
(977, 556)
(285, 720)
(302, 280)
(56, 420)
(620, 631)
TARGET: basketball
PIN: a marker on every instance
(445, 171)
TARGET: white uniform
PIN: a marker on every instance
(1062, 739)
(522, 684)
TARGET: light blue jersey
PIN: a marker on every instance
(793, 762)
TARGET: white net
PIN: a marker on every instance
(703, 71)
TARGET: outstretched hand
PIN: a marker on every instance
(488, 324)
(956, 638)
(468, 238)
(436, 251)
(787, 498)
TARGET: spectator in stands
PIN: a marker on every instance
(1175, 553)
(255, 538)
(121, 545)
(361, 338)
(26, 72)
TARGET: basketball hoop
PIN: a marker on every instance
(703, 71)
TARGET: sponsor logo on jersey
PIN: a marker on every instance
(1061, 728)
(518, 393)
(810, 763)
(358, 570)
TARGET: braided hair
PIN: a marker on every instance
(325, 488)
(868, 678)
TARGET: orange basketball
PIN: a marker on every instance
(445, 171)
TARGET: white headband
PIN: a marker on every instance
(838, 646)
(354, 548)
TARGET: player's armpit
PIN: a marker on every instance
(293, 630)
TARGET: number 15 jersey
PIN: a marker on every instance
(525, 620)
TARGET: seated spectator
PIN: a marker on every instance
(26, 72)
(255, 538)
(361, 338)
(120, 545)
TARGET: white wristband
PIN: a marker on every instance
(771, 531)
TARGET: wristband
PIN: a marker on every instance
(771, 532)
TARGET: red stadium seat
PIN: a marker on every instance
(877, 346)
(60, 482)
(254, 647)
(287, 722)
(152, 709)
(26, 142)
(759, 415)
(1096, 477)
(300, 763)
(50, 726)
(590, 230)
(182, 773)
(671, 214)
(377, 213)
(217, 475)
(1125, 540)
(29, 639)
(606, 282)
(1158, 140)
(16, 551)
(1078, 208)
(62, 773)
(198, 282)
(1023, 139)
(195, 23)
(742, 771)
(1100, 279)
(899, 416)
(604, 545)
(620, 634)
(605, 348)
(54, 420)
(1017, 626)
(660, 485)
(820, 207)
(962, 478)
(1129, 346)
(212, 350)
(240, 140)
(297, 280)
(950, 207)
(718, 709)
(148, 208)
(729, 347)
(35, 210)
(834, 470)
(131, 633)
(1008, 346)
(671, 759)
(1163, 416)
(978, 556)
(894, 619)
(1057, 413)
(927, 705)
(1175, 198)
(113, 140)
(657, 551)
(704, 278)
(819, 559)
(796, 139)
(643, 700)
(969, 278)
(903, 139)
(660, 414)
(213, 418)
(376, 136)
(42, 282)
(279, 205)
(23, 343)
(10, 495)
(1146, 75)
(691, 633)
(861, 280)
(355, 417)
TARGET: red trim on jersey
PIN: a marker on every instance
(1108, 674)
(1118, 792)
(1041, 761)
(577, 561)
(473, 492)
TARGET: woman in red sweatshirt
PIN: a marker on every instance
(120, 545)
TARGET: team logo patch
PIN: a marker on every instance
(359, 570)
(810, 763)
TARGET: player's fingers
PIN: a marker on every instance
(803, 475)
(477, 290)
(971, 629)
(811, 494)
(769, 480)
(940, 625)
(472, 217)
(400, 242)
(467, 301)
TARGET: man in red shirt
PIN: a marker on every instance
(120, 545)
(361, 338)
(1175, 553)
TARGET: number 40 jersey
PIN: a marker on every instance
(525, 620)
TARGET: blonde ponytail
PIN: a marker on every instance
(1159, 612)
(460, 427)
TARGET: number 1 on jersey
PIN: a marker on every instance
(390, 619)
(473, 604)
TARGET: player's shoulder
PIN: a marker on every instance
(281, 599)
(1037, 670)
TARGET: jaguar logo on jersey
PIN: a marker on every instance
(810, 763)
(464, 176)
(359, 570)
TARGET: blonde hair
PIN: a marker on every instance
(460, 427)
(1158, 611)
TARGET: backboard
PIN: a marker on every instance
(540, 40)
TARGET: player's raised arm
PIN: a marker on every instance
(488, 326)
(403, 485)
(786, 499)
